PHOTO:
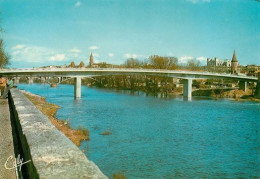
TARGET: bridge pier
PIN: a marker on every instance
(77, 87)
(30, 80)
(242, 85)
(59, 79)
(187, 89)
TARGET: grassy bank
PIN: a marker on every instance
(48, 109)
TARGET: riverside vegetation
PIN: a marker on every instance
(166, 86)
(48, 109)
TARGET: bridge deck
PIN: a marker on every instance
(74, 72)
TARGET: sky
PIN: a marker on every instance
(56, 32)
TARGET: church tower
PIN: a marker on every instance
(91, 60)
(234, 64)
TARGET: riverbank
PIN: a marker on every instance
(48, 109)
(236, 94)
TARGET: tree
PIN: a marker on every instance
(4, 57)
(81, 65)
(132, 63)
(193, 64)
(72, 65)
(146, 64)
(160, 62)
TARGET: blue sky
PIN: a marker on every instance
(56, 32)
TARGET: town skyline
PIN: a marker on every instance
(56, 33)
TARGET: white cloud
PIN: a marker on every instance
(111, 55)
(57, 57)
(30, 53)
(129, 55)
(202, 59)
(75, 50)
(185, 59)
(75, 55)
(93, 47)
(38, 55)
(19, 46)
(78, 4)
(15, 52)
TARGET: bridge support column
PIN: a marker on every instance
(77, 87)
(59, 79)
(30, 80)
(257, 90)
(187, 88)
(242, 85)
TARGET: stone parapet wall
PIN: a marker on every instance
(51, 153)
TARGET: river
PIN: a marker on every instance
(162, 138)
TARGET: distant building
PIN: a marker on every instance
(91, 60)
(100, 64)
(234, 64)
(215, 62)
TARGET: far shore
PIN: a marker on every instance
(217, 93)
(232, 94)
(48, 109)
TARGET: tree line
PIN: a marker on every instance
(162, 62)
(153, 62)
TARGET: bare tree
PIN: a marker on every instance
(4, 57)
(81, 65)
(72, 65)
(160, 62)
(193, 64)
(132, 63)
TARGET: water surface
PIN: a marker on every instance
(162, 138)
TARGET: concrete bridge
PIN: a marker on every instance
(78, 73)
